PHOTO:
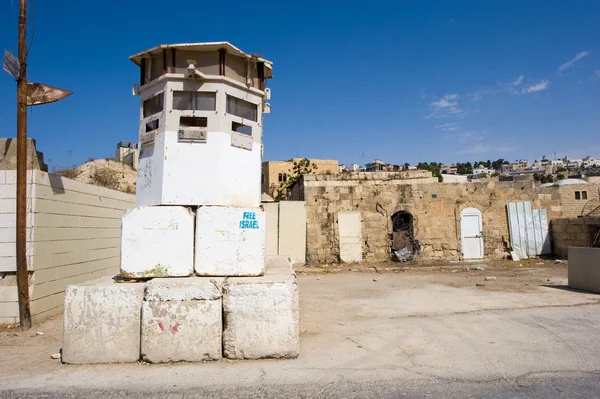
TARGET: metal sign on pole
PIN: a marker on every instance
(28, 94)
(38, 94)
(11, 64)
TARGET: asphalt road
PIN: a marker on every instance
(552, 385)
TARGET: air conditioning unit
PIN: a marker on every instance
(192, 135)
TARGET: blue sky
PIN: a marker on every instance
(399, 81)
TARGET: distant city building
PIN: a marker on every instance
(350, 168)
(274, 173)
(127, 153)
(482, 170)
(380, 166)
(449, 169)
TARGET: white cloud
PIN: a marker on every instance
(540, 86)
(570, 63)
(446, 106)
(448, 127)
(479, 148)
(478, 94)
(518, 81)
(446, 101)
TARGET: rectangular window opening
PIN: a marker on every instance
(240, 128)
(194, 101)
(243, 109)
(193, 121)
(153, 105)
(584, 195)
(577, 195)
(151, 125)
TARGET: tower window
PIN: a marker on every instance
(194, 101)
(243, 109)
(192, 121)
(153, 105)
(240, 128)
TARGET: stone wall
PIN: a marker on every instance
(573, 232)
(435, 209)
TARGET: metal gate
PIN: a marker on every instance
(528, 230)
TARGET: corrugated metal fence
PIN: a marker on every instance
(528, 230)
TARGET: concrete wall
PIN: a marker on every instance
(573, 232)
(286, 229)
(435, 208)
(75, 237)
(584, 269)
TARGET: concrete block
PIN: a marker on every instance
(230, 241)
(101, 322)
(261, 316)
(182, 320)
(584, 269)
(157, 241)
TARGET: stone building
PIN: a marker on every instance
(276, 172)
(429, 212)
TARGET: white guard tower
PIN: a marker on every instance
(201, 125)
(199, 172)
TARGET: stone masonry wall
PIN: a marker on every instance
(573, 232)
(435, 207)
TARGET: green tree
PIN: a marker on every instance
(560, 176)
(301, 167)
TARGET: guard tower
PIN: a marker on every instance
(200, 133)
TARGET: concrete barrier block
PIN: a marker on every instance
(261, 316)
(182, 320)
(157, 241)
(230, 241)
(584, 269)
(101, 322)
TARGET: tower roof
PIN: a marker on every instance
(206, 47)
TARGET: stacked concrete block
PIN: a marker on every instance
(182, 320)
(157, 241)
(101, 322)
(261, 316)
(230, 241)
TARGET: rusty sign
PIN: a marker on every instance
(38, 94)
(11, 64)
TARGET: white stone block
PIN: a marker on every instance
(230, 241)
(101, 322)
(261, 316)
(157, 241)
(182, 320)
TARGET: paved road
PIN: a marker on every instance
(552, 385)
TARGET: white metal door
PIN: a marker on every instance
(350, 233)
(471, 233)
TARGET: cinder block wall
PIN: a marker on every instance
(75, 237)
(9, 307)
(573, 232)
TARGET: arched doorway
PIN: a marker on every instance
(404, 244)
(471, 233)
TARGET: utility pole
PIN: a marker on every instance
(22, 272)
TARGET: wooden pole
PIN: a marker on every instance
(21, 239)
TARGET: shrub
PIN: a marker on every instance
(106, 177)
